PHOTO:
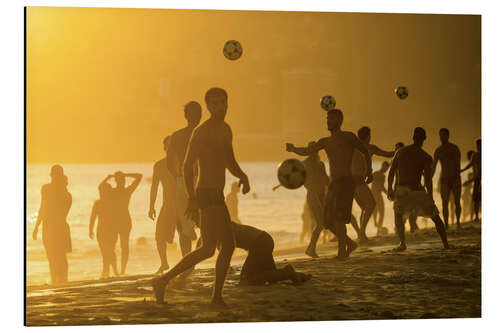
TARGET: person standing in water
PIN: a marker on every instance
(211, 147)
(176, 153)
(54, 208)
(378, 187)
(475, 164)
(167, 219)
(107, 235)
(339, 148)
(410, 197)
(121, 195)
(448, 154)
(232, 202)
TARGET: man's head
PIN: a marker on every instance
(192, 113)
(385, 166)
(120, 178)
(216, 99)
(104, 189)
(334, 119)
(364, 134)
(444, 135)
(165, 143)
(419, 136)
(478, 145)
(399, 145)
(56, 172)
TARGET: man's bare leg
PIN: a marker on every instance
(400, 228)
(311, 248)
(124, 245)
(458, 207)
(445, 197)
(161, 246)
(441, 230)
(413, 223)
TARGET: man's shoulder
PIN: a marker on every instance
(160, 163)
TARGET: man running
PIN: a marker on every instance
(448, 154)
(410, 197)
(176, 152)
(212, 148)
(339, 147)
(166, 222)
(362, 194)
(378, 187)
(475, 163)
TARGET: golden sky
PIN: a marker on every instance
(107, 85)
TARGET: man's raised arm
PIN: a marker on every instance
(380, 152)
(309, 150)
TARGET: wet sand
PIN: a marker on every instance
(423, 282)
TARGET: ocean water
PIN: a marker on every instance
(278, 212)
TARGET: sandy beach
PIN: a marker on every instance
(423, 282)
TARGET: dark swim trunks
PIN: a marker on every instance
(338, 204)
(210, 197)
(449, 183)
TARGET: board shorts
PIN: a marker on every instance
(165, 225)
(260, 259)
(338, 202)
(416, 202)
(218, 229)
(185, 225)
(476, 192)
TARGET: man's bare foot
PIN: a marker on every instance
(400, 248)
(351, 246)
(162, 269)
(291, 274)
(311, 253)
(218, 303)
(446, 246)
(303, 277)
(159, 290)
(340, 257)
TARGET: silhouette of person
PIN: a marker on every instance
(468, 204)
(475, 164)
(232, 202)
(259, 266)
(448, 154)
(176, 153)
(120, 202)
(54, 208)
(316, 185)
(409, 196)
(378, 187)
(307, 223)
(339, 148)
(167, 219)
(107, 234)
(212, 148)
(412, 218)
(363, 195)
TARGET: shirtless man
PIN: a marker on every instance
(166, 222)
(378, 187)
(339, 148)
(475, 163)
(409, 196)
(412, 218)
(316, 185)
(448, 155)
(176, 152)
(212, 148)
(363, 195)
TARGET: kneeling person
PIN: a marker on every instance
(259, 266)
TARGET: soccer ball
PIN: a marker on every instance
(292, 173)
(328, 103)
(232, 49)
(401, 92)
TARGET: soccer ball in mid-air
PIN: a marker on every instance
(328, 103)
(232, 49)
(401, 92)
(292, 173)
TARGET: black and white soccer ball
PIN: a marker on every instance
(232, 50)
(401, 92)
(292, 173)
(328, 103)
